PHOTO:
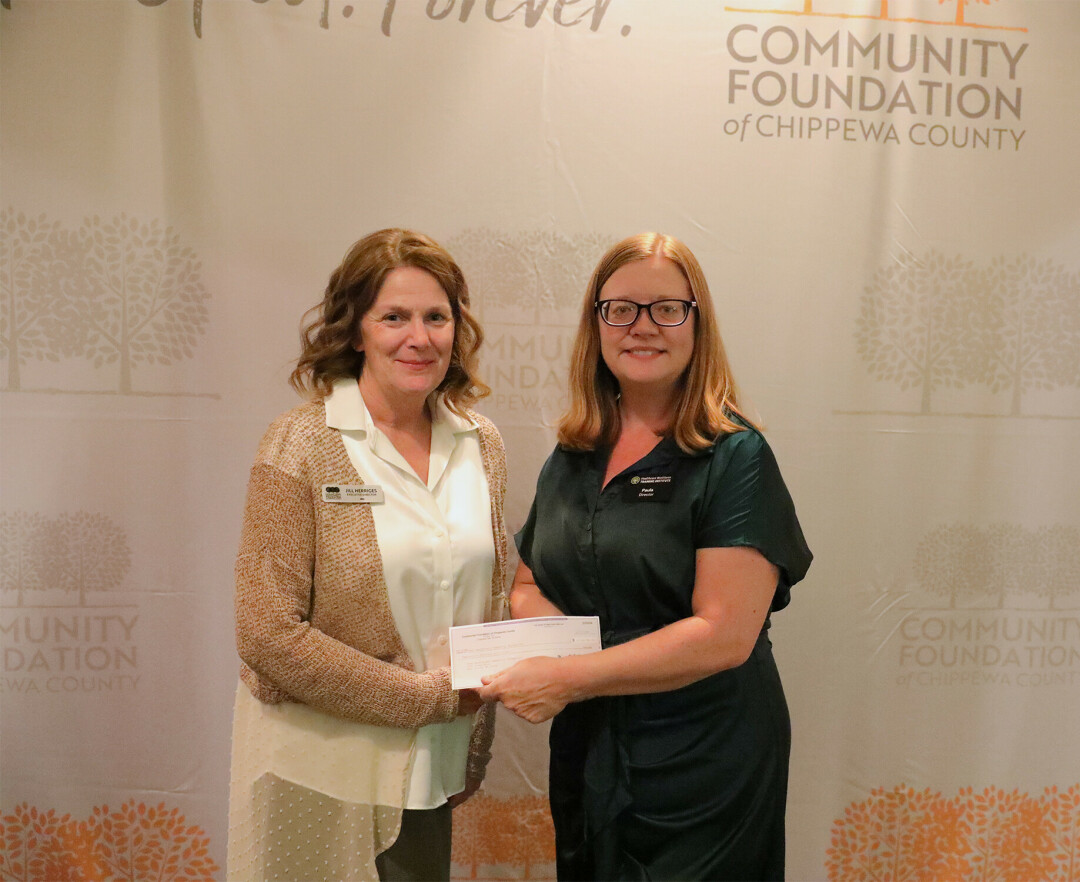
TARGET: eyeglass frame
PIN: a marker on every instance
(598, 306)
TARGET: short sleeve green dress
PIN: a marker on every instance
(691, 783)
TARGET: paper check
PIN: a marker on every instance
(476, 650)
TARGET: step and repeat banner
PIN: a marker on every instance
(884, 195)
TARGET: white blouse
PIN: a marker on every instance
(437, 554)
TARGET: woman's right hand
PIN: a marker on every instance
(535, 689)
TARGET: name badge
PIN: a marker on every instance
(369, 493)
(648, 488)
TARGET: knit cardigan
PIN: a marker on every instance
(313, 619)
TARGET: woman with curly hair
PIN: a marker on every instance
(374, 522)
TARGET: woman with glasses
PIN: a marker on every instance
(663, 512)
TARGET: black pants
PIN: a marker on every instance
(421, 853)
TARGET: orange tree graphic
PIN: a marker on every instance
(833, 10)
(1007, 836)
(897, 835)
(1063, 824)
(39, 263)
(143, 301)
(505, 833)
(138, 842)
(31, 845)
(901, 834)
(960, 4)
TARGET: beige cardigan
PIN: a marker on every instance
(313, 620)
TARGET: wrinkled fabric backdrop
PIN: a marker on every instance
(885, 198)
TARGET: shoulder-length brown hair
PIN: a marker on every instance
(707, 394)
(329, 329)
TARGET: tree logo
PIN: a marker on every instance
(530, 279)
(886, 11)
(1012, 327)
(527, 289)
(902, 834)
(492, 833)
(962, 561)
(121, 292)
(74, 553)
(138, 841)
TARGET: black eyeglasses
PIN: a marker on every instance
(665, 313)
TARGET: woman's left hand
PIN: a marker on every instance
(535, 688)
(458, 798)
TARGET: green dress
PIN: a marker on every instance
(690, 783)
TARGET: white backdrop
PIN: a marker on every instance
(885, 198)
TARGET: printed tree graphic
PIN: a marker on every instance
(513, 832)
(76, 553)
(39, 264)
(808, 8)
(137, 842)
(91, 554)
(563, 266)
(30, 845)
(1063, 825)
(1027, 329)
(1000, 560)
(1008, 836)
(498, 272)
(473, 847)
(960, 4)
(22, 543)
(529, 278)
(1013, 326)
(1012, 553)
(954, 561)
(143, 302)
(908, 321)
(899, 834)
(1058, 556)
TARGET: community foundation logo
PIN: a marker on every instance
(987, 606)
(84, 310)
(63, 631)
(891, 72)
(527, 289)
(900, 834)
